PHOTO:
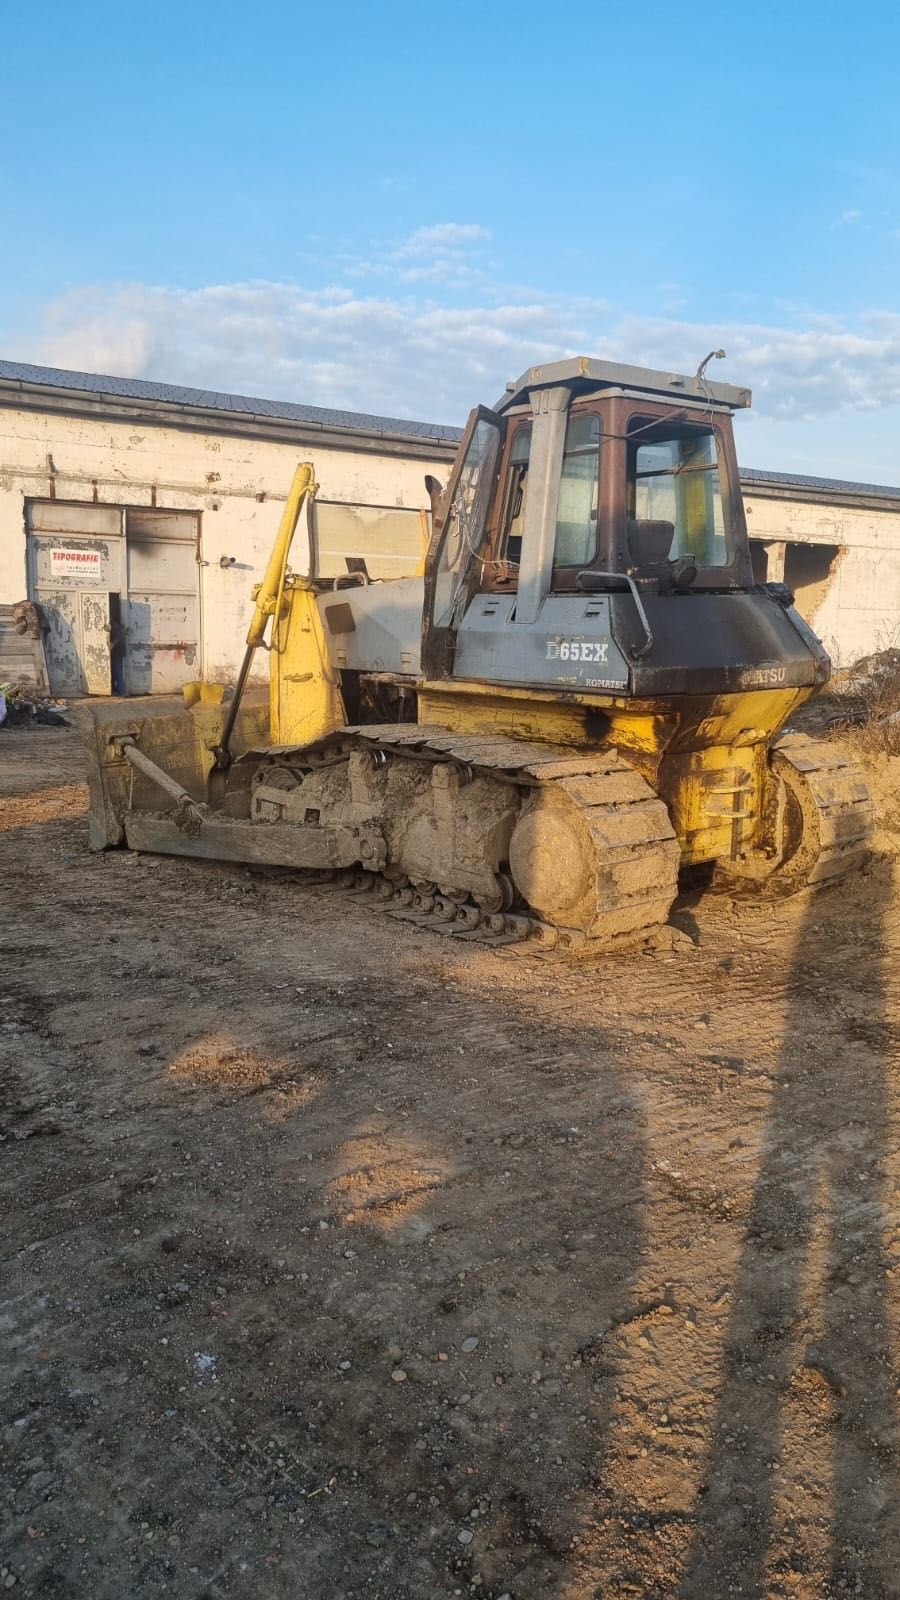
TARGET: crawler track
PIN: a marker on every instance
(588, 822)
(838, 814)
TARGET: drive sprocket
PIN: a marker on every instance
(821, 821)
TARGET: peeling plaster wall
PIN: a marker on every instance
(860, 608)
(237, 484)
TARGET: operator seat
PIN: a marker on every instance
(649, 541)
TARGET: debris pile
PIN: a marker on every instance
(21, 707)
(874, 679)
(23, 662)
(862, 700)
(869, 691)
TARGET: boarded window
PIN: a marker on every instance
(145, 523)
(392, 540)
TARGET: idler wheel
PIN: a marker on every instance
(553, 859)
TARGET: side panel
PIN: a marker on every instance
(568, 646)
(717, 644)
(702, 644)
(375, 627)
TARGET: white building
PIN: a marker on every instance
(152, 510)
(837, 545)
(144, 513)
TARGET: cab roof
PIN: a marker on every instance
(586, 373)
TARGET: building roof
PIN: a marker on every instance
(752, 478)
(26, 378)
(173, 394)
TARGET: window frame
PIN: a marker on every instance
(625, 409)
(701, 428)
(615, 409)
(523, 424)
(500, 574)
(575, 567)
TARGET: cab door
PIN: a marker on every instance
(458, 539)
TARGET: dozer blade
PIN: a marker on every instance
(177, 740)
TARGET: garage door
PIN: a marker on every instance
(75, 561)
(162, 614)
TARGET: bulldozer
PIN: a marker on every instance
(577, 699)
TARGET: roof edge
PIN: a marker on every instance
(40, 388)
(364, 436)
(802, 486)
(94, 389)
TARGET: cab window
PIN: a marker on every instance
(576, 518)
(464, 526)
(576, 521)
(675, 478)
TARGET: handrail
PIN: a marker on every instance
(623, 577)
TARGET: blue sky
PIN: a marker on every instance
(397, 207)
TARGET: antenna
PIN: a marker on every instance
(714, 355)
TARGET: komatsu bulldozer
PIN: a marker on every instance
(579, 697)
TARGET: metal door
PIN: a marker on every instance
(94, 641)
(162, 613)
(75, 560)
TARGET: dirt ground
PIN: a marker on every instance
(345, 1262)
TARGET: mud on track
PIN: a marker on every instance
(271, 1163)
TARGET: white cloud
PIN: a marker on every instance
(807, 370)
(446, 253)
(426, 330)
(443, 236)
(397, 356)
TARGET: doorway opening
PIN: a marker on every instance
(807, 569)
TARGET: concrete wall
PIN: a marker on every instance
(371, 504)
(856, 609)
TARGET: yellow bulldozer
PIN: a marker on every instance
(578, 698)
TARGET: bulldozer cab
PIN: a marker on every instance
(591, 491)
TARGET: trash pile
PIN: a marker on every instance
(21, 707)
(864, 695)
(868, 692)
